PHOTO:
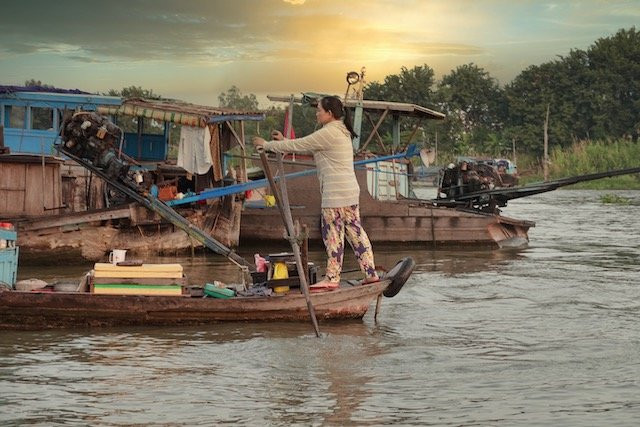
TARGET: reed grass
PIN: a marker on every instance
(614, 199)
(585, 157)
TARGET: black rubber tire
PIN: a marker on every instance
(398, 275)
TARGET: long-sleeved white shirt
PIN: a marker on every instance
(333, 154)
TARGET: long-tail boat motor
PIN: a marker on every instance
(91, 136)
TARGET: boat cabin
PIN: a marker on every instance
(31, 115)
(386, 180)
(202, 134)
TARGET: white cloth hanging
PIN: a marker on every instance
(194, 154)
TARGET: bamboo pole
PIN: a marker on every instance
(285, 212)
(243, 164)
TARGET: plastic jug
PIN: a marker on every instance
(280, 271)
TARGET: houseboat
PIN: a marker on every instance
(64, 210)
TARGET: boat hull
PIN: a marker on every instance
(91, 235)
(47, 310)
(393, 221)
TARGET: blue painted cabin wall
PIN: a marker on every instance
(37, 141)
(151, 148)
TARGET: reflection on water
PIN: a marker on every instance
(545, 335)
(203, 268)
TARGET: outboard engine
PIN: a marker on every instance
(90, 136)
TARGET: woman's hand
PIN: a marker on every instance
(258, 143)
(277, 135)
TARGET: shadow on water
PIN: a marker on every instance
(206, 267)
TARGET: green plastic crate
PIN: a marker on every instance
(212, 290)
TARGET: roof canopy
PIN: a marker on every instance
(400, 108)
(178, 112)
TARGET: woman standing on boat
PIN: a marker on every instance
(333, 154)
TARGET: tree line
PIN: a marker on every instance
(591, 94)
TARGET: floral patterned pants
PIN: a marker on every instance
(336, 222)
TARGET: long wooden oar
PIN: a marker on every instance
(285, 212)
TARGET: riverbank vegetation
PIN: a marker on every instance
(614, 199)
(586, 157)
(589, 99)
(592, 98)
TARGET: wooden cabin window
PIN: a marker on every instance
(42, 118)
(17, 116)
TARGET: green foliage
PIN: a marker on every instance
(590, 94)
(34, 82)
(614, 199)
(595, 156)
(473, 103)
(614, 66)
(413, 85)
(234, 99)
(134, 92)
(587, 157)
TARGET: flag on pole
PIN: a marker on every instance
(288, 126)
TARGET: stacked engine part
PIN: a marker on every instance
(90, 136)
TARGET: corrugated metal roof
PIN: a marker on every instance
(401, 108)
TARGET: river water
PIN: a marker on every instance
(544, 335)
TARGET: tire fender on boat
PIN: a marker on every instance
(398, 275)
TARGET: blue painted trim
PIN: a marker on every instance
(62, 98)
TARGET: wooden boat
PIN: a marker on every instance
(390, 211)
(401, 220)
(44, 310)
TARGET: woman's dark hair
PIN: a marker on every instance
(333, 104)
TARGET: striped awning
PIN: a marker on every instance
(178, 112)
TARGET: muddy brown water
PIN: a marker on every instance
(544, 335)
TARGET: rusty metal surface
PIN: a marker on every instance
(46, 310)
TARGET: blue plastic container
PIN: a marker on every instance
(8, 258)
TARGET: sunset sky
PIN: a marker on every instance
(193, 50)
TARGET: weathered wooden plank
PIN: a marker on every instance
(12, 176)
(76, 218)
(3, 201)
(34, 193)
(11, 202)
